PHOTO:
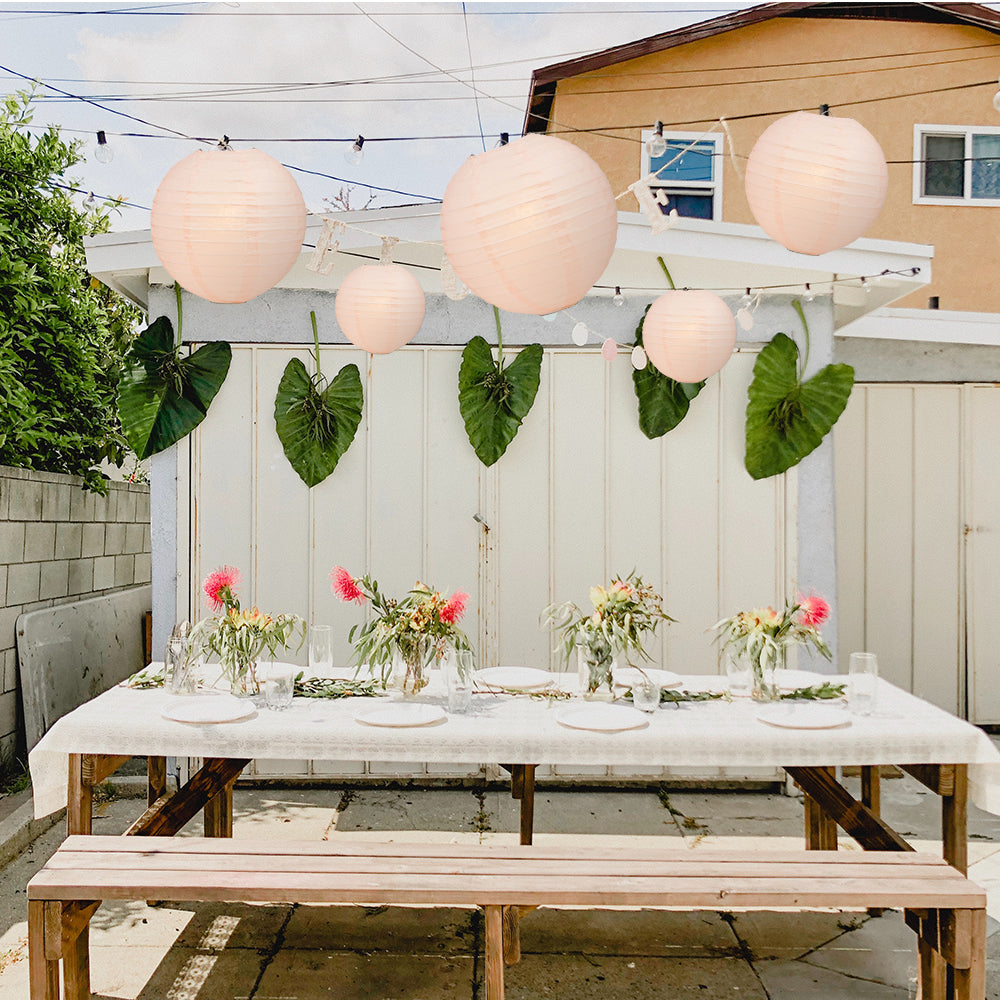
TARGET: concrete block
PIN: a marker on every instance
(133, 538)
(125, 511)
(56, 501)
(101, 508)
(93, 540)
(4, 498)
(80, 507)
(39, 541)
(69, 541)
(11, 542)
(8, 712)
(81, 576)
(3, 584)
(124, 571)
(54, 580)
(143, 568)
(146, 539)
(142, 506)
(24, 500)
(22, 583)
(8, 625)
(104, 573)
(114, 539)
(10, 670)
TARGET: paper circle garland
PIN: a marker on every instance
(530, 226)
(815, 182)
(689, 335)
(228, 224)
(380, 307)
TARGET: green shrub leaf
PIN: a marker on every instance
(163, 396)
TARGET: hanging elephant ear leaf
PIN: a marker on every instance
(663, 402)
(788, 418)
(316, 421)
(494, 399)
(162, 397)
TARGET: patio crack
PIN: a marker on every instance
(276, 945)
(745, 951)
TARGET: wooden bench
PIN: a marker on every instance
(948, 910)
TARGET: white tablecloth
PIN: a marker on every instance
(519, 730)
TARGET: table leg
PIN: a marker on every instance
(43, 973)
(820, 829)
(219, 813)
(156, 778)
(79, 798)
(528, 804)
(871, 798)
(955, 821)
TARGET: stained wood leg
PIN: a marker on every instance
(494, 952)
(79, 799)
(43, 973)
(955, 819)
(970, 984)
(528, 803)
(156, 778)
(511, 935)
(219, 813)
(820, 828)
(871, 798)
(76, 967)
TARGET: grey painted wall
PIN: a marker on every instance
(918, 361)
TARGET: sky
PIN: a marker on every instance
(260, 72)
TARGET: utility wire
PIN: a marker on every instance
(472, 73)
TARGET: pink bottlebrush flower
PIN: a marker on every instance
(813, 610)
(344, 586)
(220, 588)
(452, 612)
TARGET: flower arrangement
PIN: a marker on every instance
(238, 637)
(625, 614)
(763, 635)
(409, 634)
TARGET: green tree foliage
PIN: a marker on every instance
(62, 334)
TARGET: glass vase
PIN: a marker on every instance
(595, 662)
(244, 682)
(410, 669)
(763, 677)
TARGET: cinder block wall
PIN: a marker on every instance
(59, 543)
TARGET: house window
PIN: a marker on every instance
(956, 166)
(689, 173)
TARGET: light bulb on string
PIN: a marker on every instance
(866, 286)
(619, 299)
(356, 153)
(810, 294)
(657, 145)
(103, 153)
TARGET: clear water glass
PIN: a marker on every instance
(320, 650)
(646, 694)
(738, 674)
(862, 683)
(279, 686)
(178, 671)
(460, 668)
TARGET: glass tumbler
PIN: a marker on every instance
(460, 677)
(178, 672)
(279, 686)
(862, 686)
(320, 650)
(646, 694)
(738, 674)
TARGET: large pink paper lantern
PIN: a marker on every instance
(380, 307)
(689, 335)
(816, 183)
(530, 226)
(228, 224)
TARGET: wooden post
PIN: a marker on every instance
(820, 829)
(219, 813)
(528, 803)
(494, 952)
(970, 984)
(954, 821)
(43, 974)
(511, 935)
(79, 798)
(156, 778)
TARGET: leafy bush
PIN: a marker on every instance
(62, 333)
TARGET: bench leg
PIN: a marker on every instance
(932, 981)
(494, 952)
(43, 973)
(970, 983)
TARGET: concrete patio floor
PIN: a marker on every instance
(225, 952)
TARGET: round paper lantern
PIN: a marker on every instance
(816, 183)
(228, 224)
(529, 226)
(689, 335)
(380, 307)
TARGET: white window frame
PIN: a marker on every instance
(967, 131)
(716, 183)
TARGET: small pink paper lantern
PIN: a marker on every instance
(380, 307)
(228, 224)
(689, 335)
(530, 226)
(816, 183)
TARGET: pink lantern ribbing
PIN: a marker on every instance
(228, 224)
(530, 226)
(380, 307)
(816, 183)
(689, 335)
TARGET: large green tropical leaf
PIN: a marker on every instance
(316, 421)
(163, 396)
(788, 418)
(495, 399)
(663, 402)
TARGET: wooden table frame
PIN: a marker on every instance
(828, 804)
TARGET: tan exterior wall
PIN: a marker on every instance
(690, 86)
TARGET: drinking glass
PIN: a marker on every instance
(178, 669)
(646, 694)
(279, 686)
(862, 683)
(460, 667)
(738, 674)
(321, 650)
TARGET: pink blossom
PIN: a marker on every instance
(345, 587)
(452, 612)
(813, 610)
(220, 588)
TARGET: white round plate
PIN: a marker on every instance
(792, 680)
(627, 676)
(792, 715)
(208, 708)
(399, 714)
(602, 718)
(515, 678)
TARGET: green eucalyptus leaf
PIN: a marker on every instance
(786, 418)
(316, 421)
(163, 396)
(663, 401)
(495, 399)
